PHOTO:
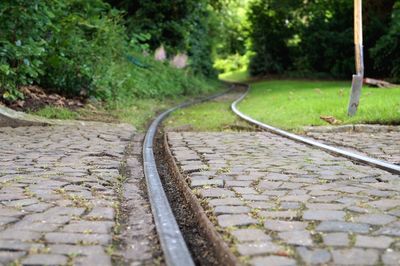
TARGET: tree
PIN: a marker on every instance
(386, 52)
(271, 27)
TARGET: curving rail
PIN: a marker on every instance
(350, 155)
(172, 242)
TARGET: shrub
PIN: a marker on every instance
(386, 52)
(24, 26)
(88, 36)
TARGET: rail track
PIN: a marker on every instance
(172, 242)
(171, 239)
(350, 155)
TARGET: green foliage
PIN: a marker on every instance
(22, 43)
(387, 50)
(77, 47)
(303, 38)
(326, 44)
(87, 37)
(60, 45)
(231, 37)
(129, 82)
(270, 31)
(235, 62)
(181, 27)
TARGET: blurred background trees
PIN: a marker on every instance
(315, 38)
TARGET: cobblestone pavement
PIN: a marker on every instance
(60, 194)
(379, 145)
(283, 203)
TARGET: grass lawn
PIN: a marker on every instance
(214, 115)
(291, 104)
(138, 113)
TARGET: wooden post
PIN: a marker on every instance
(359, 58)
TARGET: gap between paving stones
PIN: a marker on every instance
(305, 206)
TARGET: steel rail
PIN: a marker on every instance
(350, 155)
(172, 242)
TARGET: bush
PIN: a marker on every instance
(77, 47)
(182, 27)
(60, 45)
(233, 62)
(88, 36)
(23, 44)
(386, 52)
(269, 34)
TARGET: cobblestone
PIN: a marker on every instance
(336, 239)
(58, 196)
(380, 145)
(317, 256)
(325, 209)
(355, 256)
(373, 242)
(45, 259)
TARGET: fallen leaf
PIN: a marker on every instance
(330, 119)
(282, 253)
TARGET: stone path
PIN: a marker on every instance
(61, 189)
(278, 202)
(379, 145)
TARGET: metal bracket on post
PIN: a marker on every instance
(358, 44)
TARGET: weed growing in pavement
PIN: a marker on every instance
(27, 192)
(223, 170)
(39, 250)
(87, 243)
(77, 200)
(317, 238)
(352, 239)
(71, 258)
(348, 217)
(15, 263)
(110, 250)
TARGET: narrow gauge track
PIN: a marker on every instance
(172, 242)
(350, 155)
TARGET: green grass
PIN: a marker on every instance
(294, 104)
(52, 112)
(209, 116)
(137, 112)
(143, 111)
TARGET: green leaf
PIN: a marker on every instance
(5, 69)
